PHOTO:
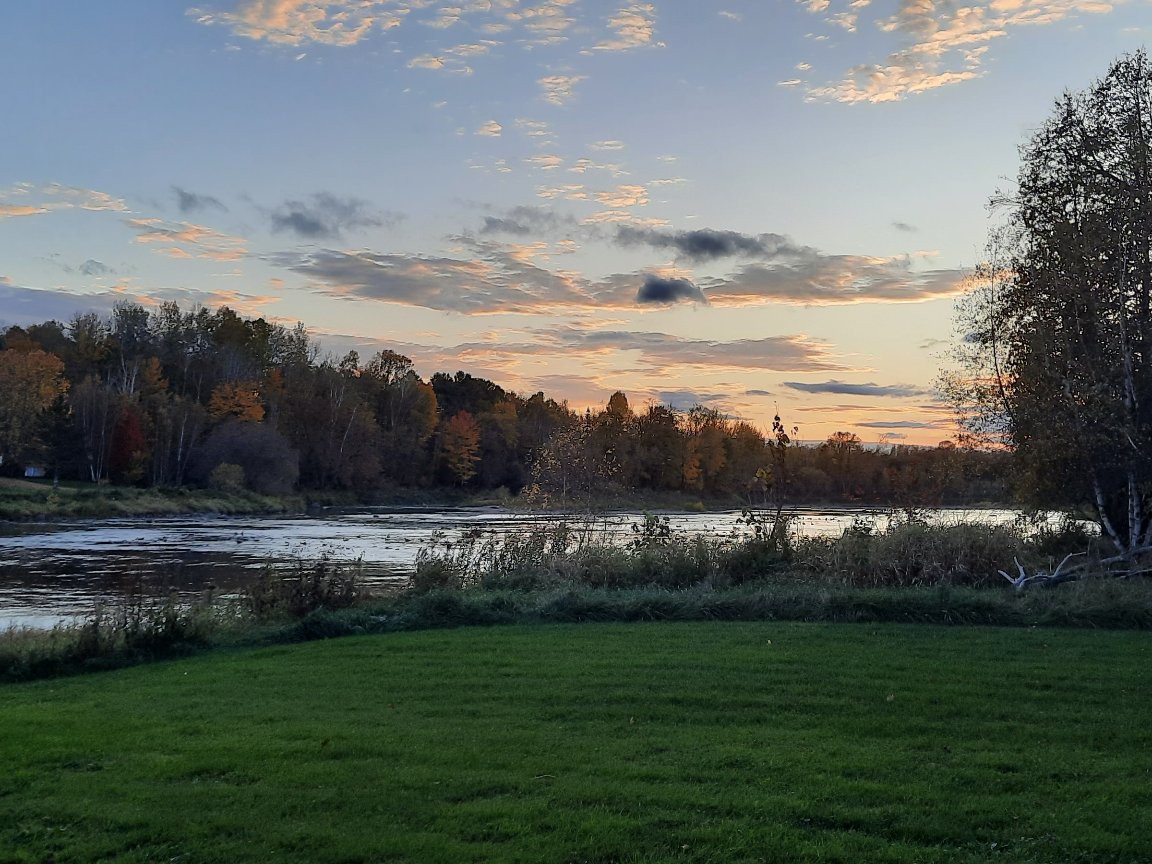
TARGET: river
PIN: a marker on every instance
(57, 571)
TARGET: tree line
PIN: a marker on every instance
(167, 397)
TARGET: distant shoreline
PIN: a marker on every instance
(23, 501)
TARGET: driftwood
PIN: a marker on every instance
(1103, 567)
(1055, 577)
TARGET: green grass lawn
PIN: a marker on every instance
(597, 743)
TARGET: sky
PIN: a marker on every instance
(754, 205)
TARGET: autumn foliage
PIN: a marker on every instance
(166, 397)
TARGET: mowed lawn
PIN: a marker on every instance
(597, 743)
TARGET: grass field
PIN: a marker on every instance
(597, 743)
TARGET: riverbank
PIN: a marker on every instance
(21, 500)
(324, 602)
(24, 500)
(674, 742)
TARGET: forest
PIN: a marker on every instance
(164, 397)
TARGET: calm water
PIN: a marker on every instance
(51, 572)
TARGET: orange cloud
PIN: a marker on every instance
(186, 240)
(940, 43)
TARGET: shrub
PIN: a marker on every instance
(304, 589)
(227, 477)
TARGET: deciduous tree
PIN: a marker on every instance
(1058, 337)
(31, 380)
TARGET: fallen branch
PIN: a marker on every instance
(1055, 577)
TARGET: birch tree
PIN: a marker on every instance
(1058, 337)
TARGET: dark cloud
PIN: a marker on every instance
(92, 267)
(492, 280)
(495, 225)
(325, 216)
(707, 244)
(191, 202)
(843, 388)
(500, 277)
(819, 279)
(524, 220)
(786, 272)
(759, 393)
(666, 291)
(905, 227)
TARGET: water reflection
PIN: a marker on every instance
(51, 572)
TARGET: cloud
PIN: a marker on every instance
(559, 89)
(817, 279)
(633, 27)
(624, 217)
(905, 227)
(683, 400)
(660, 350)
(185, 240)
(494, 279)
(522, 221)
(607, 145)
(545, 161)
(537, 129)
(658, 290)
(497, 225)
(785, 271)
(546, 24)
(191, 202)
(294, 22)
(491, 129)
(845, 389)
(657, 352)
(707, 244)
(568, 192)
(938, 44)
(34, 200)
(628, 195)
(440, 62)
(902, 424)
(8, 211)
(584, 165)
(92, 267)
(84, 199)
(325, 216)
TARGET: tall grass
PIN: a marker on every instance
(145, 626)
(908, 553)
